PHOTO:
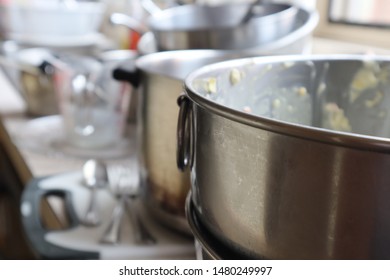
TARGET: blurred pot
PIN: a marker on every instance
(289, 155)
(215, 27)
(296, 41)
(159, 78)
(30, 73)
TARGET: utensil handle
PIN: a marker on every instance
(112, 233)
(92, 217)
(141, 233)
(126, 74)
(185, 135)
(36, 232)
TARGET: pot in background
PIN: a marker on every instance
(296, 41)
(160, 78)
(28, 70)
(219, 27)
(289, 155)
(31, 75)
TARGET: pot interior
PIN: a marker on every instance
(178, 64)
(206, 17)
(340, 95)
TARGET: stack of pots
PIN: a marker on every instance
(289, 156)
(159, 77)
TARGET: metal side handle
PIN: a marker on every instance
(185, 140)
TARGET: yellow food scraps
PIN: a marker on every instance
(235, 76)
(302, 91)
(211, 85)
(335, 119)
(375, 100)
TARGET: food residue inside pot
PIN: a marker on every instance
(211, 85)
(375, 100)
(235, 76)
(335, 119)
(247, 109)
(302, 91)
(276, 103)
(367, 77)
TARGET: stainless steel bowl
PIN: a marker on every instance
(289, 155)
(161, 77)
(221, 27)
(296, 41)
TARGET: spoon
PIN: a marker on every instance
(95, 177)
(126, 191)
(112, 233)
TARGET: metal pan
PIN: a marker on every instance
(297, 41)
(215, 27)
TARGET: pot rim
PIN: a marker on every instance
(153, 63)
(307, 21)
(333, 137)
(170, 15)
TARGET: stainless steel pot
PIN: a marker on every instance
(215, 27)
(159, 78)
(30, 74)
(289, 155)
(28, 69)
(207, 247)
(297, 41)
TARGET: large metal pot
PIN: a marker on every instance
(207, 247)
(296, 41)
(160, 78)
(216, 27)
(27, 69)
(28, 72)
(289, 155)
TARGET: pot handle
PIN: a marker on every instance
(185, 135)
(127, 73)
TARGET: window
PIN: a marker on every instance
(359, 21)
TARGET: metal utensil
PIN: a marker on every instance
(95, 177)
(126, 182)
(112, 233)
(141, 234)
